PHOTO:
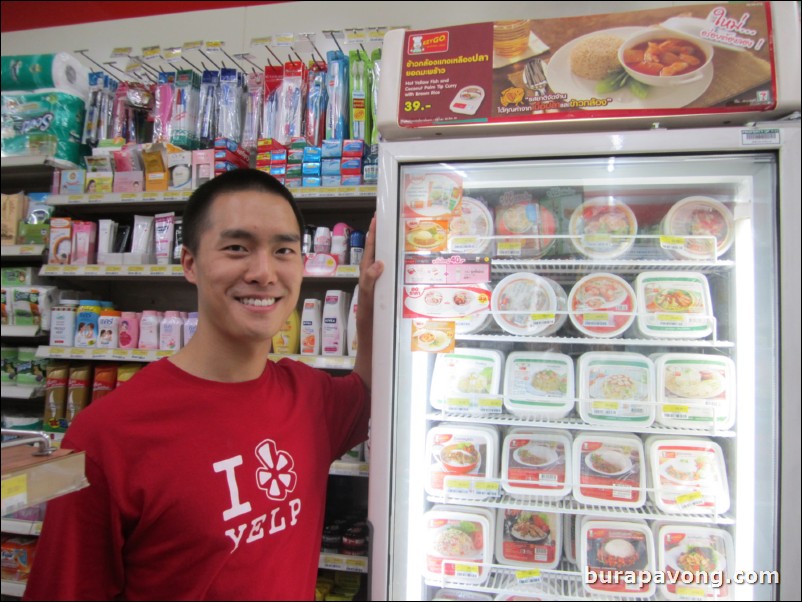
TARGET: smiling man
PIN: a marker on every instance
(208, 471)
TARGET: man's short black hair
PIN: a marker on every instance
(238, 180)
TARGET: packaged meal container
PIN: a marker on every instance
(530, 225)
(474, 323)
(458, 454)
(674, 305)
(704, 552)
(472, 231)
(616, 389)
(705, 224)
(528, 539)
(688, 475)
(562, 308)
(524, 304)
(603, 228)
(461, 378)
(695, 391)
(539, 384)
(570, 537)
(610, 549)
(602, 305)
(609, 469)
(459, 544)
(537, 462)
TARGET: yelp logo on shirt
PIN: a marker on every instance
(276, 477)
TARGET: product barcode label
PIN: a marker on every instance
(508, 248)
(472, 487)
(688, 500)
(763, 136)
(466, 571)
(622, 492)
(532, 576)
(548, 477)
(598, 319)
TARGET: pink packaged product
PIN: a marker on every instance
(202, 166)
(129, 330)
(128, 181)
(84, 243)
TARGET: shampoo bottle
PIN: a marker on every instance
(335, 317)
(287, 340)
(351, 329)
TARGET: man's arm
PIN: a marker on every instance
(369, 272)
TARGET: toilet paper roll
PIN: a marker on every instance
(62, 71)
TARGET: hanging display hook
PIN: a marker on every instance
(270, 50)
(331, 33)
(94, 62)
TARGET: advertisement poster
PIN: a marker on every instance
(688, 59)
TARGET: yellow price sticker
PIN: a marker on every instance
(263, 41)
(675, 409)
(672, 242)
(158, 270)
(92, 269)
(490, 402)
(508, 248)
(96, 198)
(135, 270)
(78, 353)
(57, 352)
(543, 318)
(487, 487)
(606, 405)
(139, 354)
(284, 39)
(171, 54)
(27, 250)
(195, 44)
(597, 317)
(693, 498)
(114, 269)
(214, 45)
(129, 196)
(177, 270)
(466, 570)
(348, 270)
(691, 592)
(76, 198)
(15, 492)
(458, 484)
(100, 354)
(151, 52)
(458, 403)
(163, 353)
(120, 354)
(51, 270)
(72, 269)
(670, 318)
(532, 576)
(122, 51)
(356, 565)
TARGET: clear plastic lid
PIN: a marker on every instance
(460, 378)
(539, 384)
(529, 539)
(695, 390)
(609, 469)
(706, 225)
(524, 304)
(459, 544)
(616, 389)
(704, 552)
(674, 305)
(537, 463)
(603, 228)
(602, 305)
(688, 476)
(610, 546)
(460, 457)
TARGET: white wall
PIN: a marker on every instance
(238, 26)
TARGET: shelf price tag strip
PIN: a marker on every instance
(15, 493)
(474, 487)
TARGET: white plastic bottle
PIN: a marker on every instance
(351, 328)
(190, 326)
(335, 318)
(171, 332)
(149, 330)
(310, 327)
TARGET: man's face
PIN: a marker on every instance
(248, 268)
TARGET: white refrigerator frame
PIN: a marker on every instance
(661, 142)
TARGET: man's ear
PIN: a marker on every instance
(188, 263)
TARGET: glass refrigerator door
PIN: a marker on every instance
(586, 377)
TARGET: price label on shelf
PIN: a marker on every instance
(163, 353)
(150, 53)
(490, 404)
(27, 250)
(176, 270)
(120, 354)
(606, 405)
(473, 487)
(96, 198)
(532, 576)
(158, 270)
(676, 411)
(72, 269)
(598, 319)
(348, 270)
(508, 248)
(15, 493)
(173, 195)
(114, 270)
(541, 319)
(129, 196)
(135, 270)
(79, 353)
(150, 197)
(689, 500)
(458, 404)
(333, 563)
(75, 198)
(466, 571)
(691, 593)
(51, 270)
(91, 270)
(57, 352)
(100, 354)
(672, 243)
(139, 354)
(356, 565)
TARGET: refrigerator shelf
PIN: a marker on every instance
(551, 340)
(564, 583)
(622, 266)
(574, 423)
(569, 505)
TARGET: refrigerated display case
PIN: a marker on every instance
(595, 343)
